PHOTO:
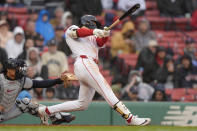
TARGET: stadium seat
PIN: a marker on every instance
(2, 9)
(168, 91)
(192, 91)
(188, 98)
(178, 93)
(151, 5)
(152, 13)
(17, 10)
(18, 16)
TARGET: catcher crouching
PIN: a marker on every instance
(13, 80)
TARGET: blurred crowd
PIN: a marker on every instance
(40, 41)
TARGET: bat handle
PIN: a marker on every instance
(112, 25)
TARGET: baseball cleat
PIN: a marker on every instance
(43, 115)
(62, 117)
(135, 121)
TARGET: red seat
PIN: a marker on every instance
(2, 9)
(109, 79)
(181, 91)
(152, 13)
(131, 62)
(18, 16)
(178, 93)
(192, 91)
(17, 10)
(151, 5)
(168, 91)
(188, 98)
(105, 73)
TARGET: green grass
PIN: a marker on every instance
(95, 128)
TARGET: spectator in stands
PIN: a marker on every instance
(147, 62)
(3, 58)
(194, 20)
(58, 16)
(79, 8)
(62, 45)
(12, 23)
(117, 90)
(71, 92)
(55, 60)
(44, 27)
(190, 48)
(166, 74)
(143, 35)
(15, 3)
(175, 8)
(67, 19)
(15, 45)
(50, 94)
(28, 43)
(194, 3)
(37, 69)
(137, 86)
(186, 76)
(160, 55)
(2, 2)
(5, 34)
(126, 4)
(159, 94)
(39, 42)
(107, 4)
(30, 30)
(33, 15)
(121, 41)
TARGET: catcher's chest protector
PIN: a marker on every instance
(9, 91)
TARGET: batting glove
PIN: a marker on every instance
(99, 33)
(106, 32)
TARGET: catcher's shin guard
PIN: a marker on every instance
(122, 110)
(31, 107)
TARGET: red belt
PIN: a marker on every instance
(85, 57)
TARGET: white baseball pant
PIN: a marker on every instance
(90, 78)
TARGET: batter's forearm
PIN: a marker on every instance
(46, 83)
(83, 32)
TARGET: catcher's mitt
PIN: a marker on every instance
(67, 78)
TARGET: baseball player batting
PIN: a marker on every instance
(12, 82)
(85, 41)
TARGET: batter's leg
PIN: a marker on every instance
(95, 79)
(85, 98)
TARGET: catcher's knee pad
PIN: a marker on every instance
(22, 104)
(122, 110)
(27, 105)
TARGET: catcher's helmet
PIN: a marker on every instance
(18, 64)
(90, 22)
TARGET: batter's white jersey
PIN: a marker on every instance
(88, 74)
(82, 46)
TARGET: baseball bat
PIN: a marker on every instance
(130, 11)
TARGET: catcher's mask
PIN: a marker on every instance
(90, 22)
(14, 69)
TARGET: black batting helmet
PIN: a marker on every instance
(90, 22)
(18, 64)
